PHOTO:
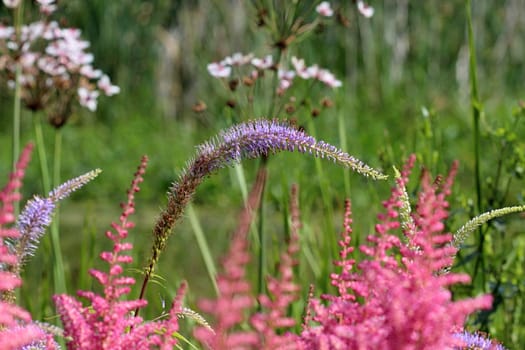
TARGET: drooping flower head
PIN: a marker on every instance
(248, 140)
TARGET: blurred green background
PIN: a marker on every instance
(405, 76)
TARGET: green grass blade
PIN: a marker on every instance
(203, 246)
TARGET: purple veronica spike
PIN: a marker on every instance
(37, 216)
(477, 341)
(244, 141)
(262, 137)
(32, 224)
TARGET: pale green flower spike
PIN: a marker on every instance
(405, 212)
(463, 232)
(407, 223)
(72, 185)
(471, 225)
(195, 316)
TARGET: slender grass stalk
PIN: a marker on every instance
(475, 105)
(476, 114)
(325, 194)
(328, 247)
(58, 261)
(16, 115)
(241, 179)
(17, 100)
(203, 247)
(344, 146)
(41, 148)
(261, 270)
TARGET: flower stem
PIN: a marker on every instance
(475, 105)
(261, 273)
(58, 265)
(17, 101)
(476, 114)
(44, 169)
(343, 141)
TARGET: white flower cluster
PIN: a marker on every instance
(223, 69)
(325, 9)
(52, 59)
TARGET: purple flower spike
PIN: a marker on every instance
(248, 140)
(38, 214)
(477, 341)
(262, 137)
(32, 224)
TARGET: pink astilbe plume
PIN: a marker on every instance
(108, 323)
(272, 322)
(16, 329)
(396, 299)
(235, 297)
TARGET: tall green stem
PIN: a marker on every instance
(41, 149)
(58, 261)
(275, 84)
(203, 247)
(343, 140)
(329, 246)
(475, 104)
(261, 273)
(476, 114)
(17, 98)
(58, 265)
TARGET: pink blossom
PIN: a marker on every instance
(300, 67)
(51, 66)
(328, 78)
(324, 9)
(11, 3)
(285, 79)
(237, 59)
(365, 9)
(47, 7)
(109, 322)
(16, 328)
(219, 70)
(405, 303)
(88, 98)
(263, 63)
(272, 323)
(235, 298)
(6, 32)
(89, 72)
(105, 85)
(314, 72)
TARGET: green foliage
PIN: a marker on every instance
(405, 90)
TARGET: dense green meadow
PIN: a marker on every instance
(414, 81)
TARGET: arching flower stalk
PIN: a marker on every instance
(248, 140)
